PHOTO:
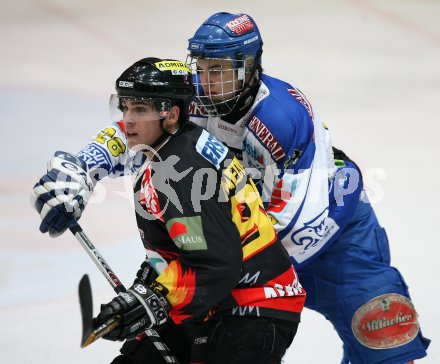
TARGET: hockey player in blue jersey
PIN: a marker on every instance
(313, 192)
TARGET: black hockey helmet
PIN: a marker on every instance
(162, 82)
(155, 78)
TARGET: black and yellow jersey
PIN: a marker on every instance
(197, 208)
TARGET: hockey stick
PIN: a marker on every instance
(116, 284)
(90, 333)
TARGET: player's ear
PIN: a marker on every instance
(173, 118)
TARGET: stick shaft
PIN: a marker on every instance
(97, 258)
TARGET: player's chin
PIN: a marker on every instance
(217, 99)
(133, 141)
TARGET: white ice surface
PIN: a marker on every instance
(371, 67)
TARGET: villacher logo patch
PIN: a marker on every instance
(385, 322)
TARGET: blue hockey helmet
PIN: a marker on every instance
(225, 35)
(232, 46)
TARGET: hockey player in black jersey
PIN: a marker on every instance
(218, 300)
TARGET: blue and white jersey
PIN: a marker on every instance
(288, 151)
(108, 155)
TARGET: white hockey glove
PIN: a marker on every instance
(62, 194)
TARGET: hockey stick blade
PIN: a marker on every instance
(91, 333)
(86, 305)
(100, 331)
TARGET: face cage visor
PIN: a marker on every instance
(219, 82)
(135, 108)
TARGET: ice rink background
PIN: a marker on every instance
(370, 67)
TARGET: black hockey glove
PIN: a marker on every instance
(146, 273)
(62, 193)
(138, 309)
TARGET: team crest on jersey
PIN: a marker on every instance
(385, 322)
(315, 231)
(211, 149)
(293, 158)
(149, 197)
(267, 138)
(297, 94)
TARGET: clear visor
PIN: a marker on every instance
(218, 82)
(138, 109)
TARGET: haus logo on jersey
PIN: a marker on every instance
(385, 322)
(240, 25)
(187, 233)
(211, 149)
(149, 197)
(262, 132)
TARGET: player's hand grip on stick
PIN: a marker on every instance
(139, 308)
(158, 308)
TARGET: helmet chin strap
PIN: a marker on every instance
(245, 100)
(165, 134)
(247, 94)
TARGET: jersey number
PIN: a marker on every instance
(252, 222)
(114, 144)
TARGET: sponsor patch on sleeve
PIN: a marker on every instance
(266, 138)
(297, 94)
(187, 233)
(385, 322)
(211, 149)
